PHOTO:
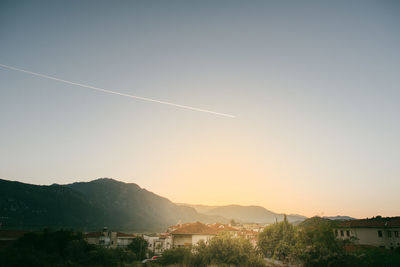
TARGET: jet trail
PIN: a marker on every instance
(118, 93)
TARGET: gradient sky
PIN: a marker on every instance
(314, 86)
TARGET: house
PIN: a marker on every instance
(109, 239)
(191, 233)
(219, 227)
(377, 231)
(158, 244)
(251, 235)
(123, 240)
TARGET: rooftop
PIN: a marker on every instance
(196, 228)
(376, 222)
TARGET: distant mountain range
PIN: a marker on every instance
(339, 217)
(90, 206)
(117, 205)
(245, 214)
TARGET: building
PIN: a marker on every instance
(191, 233)
(378, 232)
(219, 227)
(158, 244)
(109, 239)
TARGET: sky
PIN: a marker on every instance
(313, 86)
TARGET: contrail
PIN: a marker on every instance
(117, 93)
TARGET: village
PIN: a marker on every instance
(376, 232)
(179, 235)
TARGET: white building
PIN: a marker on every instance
(158, 244)
(109, 239)
(190, 234)
(378, 232)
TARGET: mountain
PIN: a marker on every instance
(339, 217)
(198, 207)
(31, 206)
(91, 205)
(247, 214)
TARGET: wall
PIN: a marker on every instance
(181, 240)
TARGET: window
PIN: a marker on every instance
(336, 233)
(341, 233)
(389, 233)
(379, 233)
(347, 232)
(396, 233)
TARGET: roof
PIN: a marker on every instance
(222, 227)
(196, 228)
(125, 235)
(94, 234)
(377, 222)
(99, 234)
(177, 226)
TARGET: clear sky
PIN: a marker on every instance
(314, 86)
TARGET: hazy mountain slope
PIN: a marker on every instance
(339, 217)
(91, 205)
(128, 205)
(29, 206)
(251, 214)
(198, 207)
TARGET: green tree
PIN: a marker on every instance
(317, 246)
(139, 247)
(61, 248)
(277, 240)
(176, 256)
(225, 249)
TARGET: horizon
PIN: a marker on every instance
(201, 204)
(285, 105)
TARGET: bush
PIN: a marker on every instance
(61, 248)
(222, 250)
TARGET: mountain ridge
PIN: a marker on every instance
(108, 202)
(91, 205)
(245, 214)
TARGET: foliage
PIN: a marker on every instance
(61, 248)
(277, 240)
(222, 250)
(139, 247)
(313, 244)
(176, 256)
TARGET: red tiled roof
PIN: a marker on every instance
(195, 228)
(125, 235)
(373, 223)
(94, 234)
(177, 226)
(222, 227)
(163, 235)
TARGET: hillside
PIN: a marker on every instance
(248, 214)
(31, 206)
(339, 217)
(91, 205)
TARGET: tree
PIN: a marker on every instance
(176, 256)
(317, 246)
(225, 249)
(277, 240)
(139, 247)
(222, 250)
(61, 248)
